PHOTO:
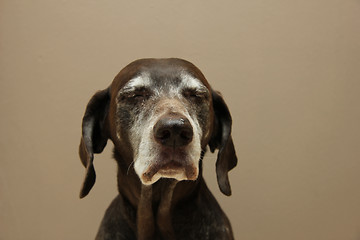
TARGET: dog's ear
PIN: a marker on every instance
(94, 136)
(221, 139)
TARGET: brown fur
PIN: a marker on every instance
(167, 209)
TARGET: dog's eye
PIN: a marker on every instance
(137, 95)
(195, 95)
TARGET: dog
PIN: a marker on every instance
(160, 114)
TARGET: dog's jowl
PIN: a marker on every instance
(160, 114)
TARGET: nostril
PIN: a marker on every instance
(186, 134)
(163, 135)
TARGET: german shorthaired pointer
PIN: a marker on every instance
(160, 114)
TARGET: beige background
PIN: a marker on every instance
(290, 73)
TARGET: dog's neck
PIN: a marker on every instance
(146, 221)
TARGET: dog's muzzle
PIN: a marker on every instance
(174, 135)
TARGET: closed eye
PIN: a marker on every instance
(137, 94)
(196, 94)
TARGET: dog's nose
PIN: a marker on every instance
(173, 131)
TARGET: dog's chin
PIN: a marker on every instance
(170, 169)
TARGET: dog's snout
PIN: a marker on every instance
(173, 131)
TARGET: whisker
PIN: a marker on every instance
(132, 163)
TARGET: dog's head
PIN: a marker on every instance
(160, 114)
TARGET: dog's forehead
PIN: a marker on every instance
(165, 82)
(160, 74)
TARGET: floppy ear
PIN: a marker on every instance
(221, 139)
(94, 137)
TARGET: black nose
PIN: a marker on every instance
(173, 131)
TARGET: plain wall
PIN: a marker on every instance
(289, 71)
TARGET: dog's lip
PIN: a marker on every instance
(172, 165)
(171, 168)
(163, 168)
